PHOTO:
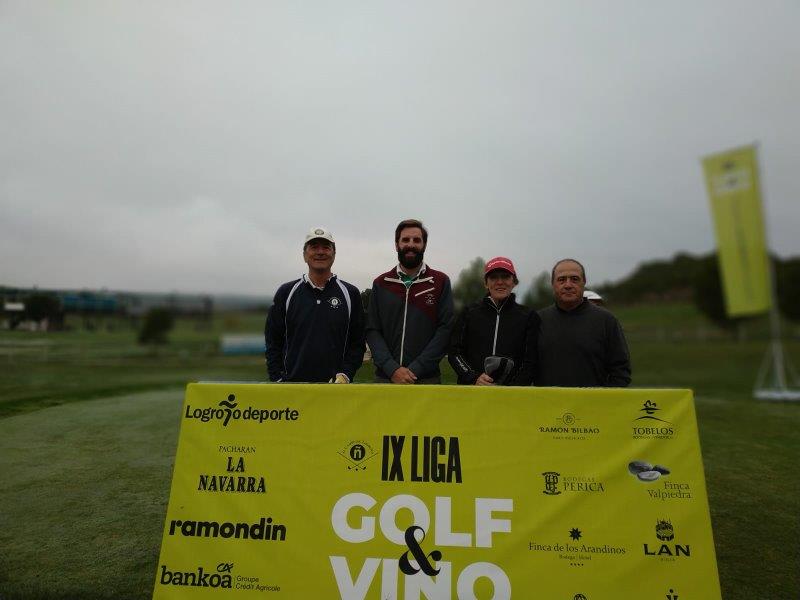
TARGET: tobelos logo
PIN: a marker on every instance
(420, 556)
(650, 426)
(228, 409)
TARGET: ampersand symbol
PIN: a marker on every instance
(419, 555)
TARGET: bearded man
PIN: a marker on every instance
(410, 313)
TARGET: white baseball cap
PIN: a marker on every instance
(319, 233)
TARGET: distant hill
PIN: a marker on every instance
(674, 279)
(662, 279)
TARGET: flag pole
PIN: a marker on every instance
(774, 356)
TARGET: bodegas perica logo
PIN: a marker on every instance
(556, 483)
(356, 454)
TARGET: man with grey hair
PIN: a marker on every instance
(580, 344)
(315, 328)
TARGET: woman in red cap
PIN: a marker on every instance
(494, 341)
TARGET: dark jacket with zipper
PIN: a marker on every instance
(409, 326)
(483, 329)
(312, 334)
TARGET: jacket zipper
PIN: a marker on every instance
(496, 324)
(403, 337)
(405, 307)
(496, 327)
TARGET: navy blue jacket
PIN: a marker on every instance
(321, 334)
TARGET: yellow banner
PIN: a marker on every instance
(405, 492)
(734, 192)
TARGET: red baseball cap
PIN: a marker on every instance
(499, 262)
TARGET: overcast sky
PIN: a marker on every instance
(188, 146)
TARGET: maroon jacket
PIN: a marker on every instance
(409, 326)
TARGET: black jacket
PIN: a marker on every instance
(483, 330)
(583, 347)
(321, 334)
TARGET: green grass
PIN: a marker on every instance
(83, 498)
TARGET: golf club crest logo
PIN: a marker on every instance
(334, 302)
(650, 426)
(356, 453)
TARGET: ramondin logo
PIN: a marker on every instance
(228, 409)
(357, 453)
(263, 529)
(198, 578)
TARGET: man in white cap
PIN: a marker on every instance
(593, 297)
(315, 328)
(494, 341)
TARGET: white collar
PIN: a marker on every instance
(311, 283)
(400, 272)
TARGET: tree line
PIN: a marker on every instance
(684, 277)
